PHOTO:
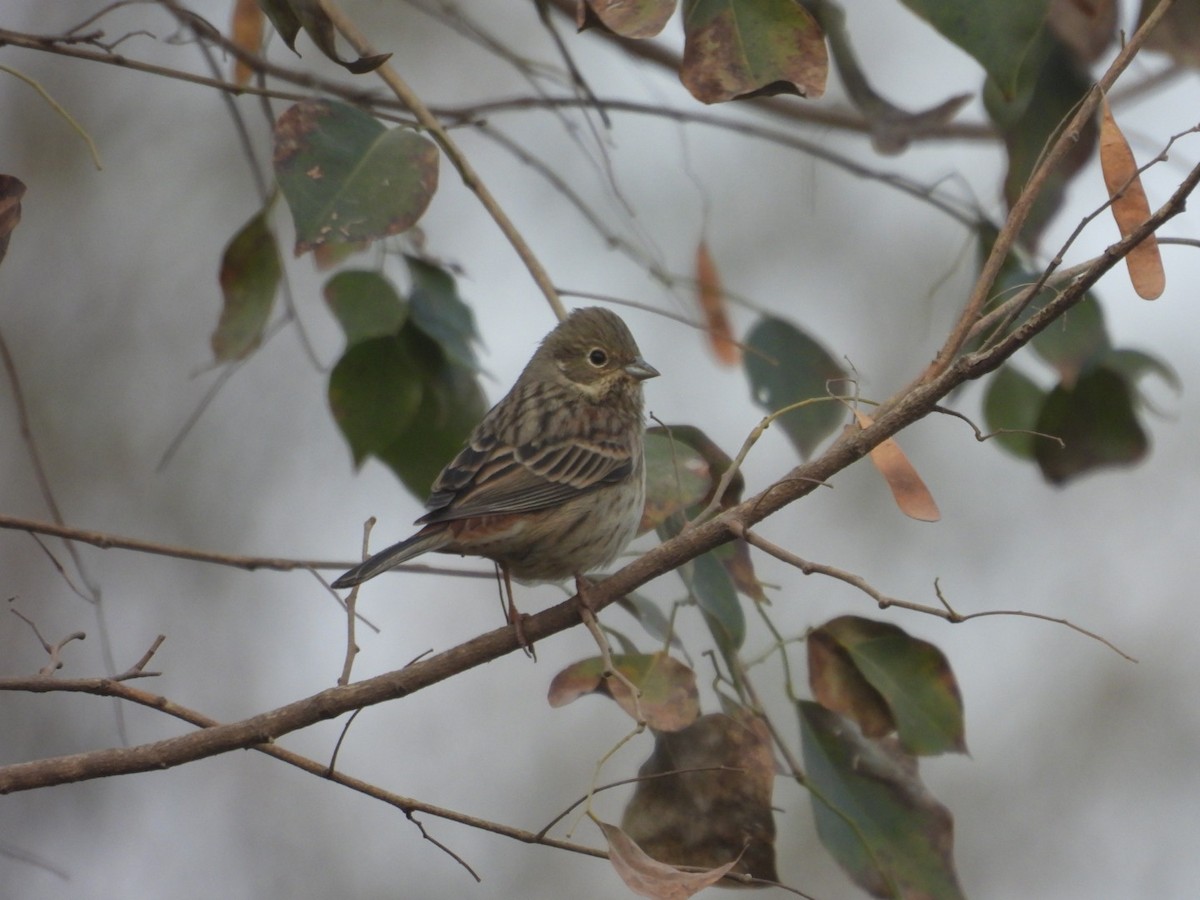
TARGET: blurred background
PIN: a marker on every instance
(1082, 777)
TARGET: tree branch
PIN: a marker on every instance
(849, 447)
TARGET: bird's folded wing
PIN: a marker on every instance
(503, 479)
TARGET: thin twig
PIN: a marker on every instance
(107, 541)
(350, 602)
(53, 650)
(1021, 208)
(349, 30)
(58, 108)
(884, 601)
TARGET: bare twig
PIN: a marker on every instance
(107, 687)
(1021, 208)
(53, 650)
(945, 611)
(137, 670)
(58, 108)
(347, 28)
(350, 602)
(107, 541)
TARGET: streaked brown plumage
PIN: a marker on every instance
(551, 483)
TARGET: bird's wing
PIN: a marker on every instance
(490, 477)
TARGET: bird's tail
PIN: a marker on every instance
(424, 541)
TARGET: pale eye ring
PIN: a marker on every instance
(597, 357)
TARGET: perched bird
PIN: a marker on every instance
(552, 482)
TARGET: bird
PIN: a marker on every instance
(551, 483)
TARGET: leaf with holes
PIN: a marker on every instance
(346, 177)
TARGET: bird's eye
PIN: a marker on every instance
(597, 357)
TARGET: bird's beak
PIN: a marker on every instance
(640, 370)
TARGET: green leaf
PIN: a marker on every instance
(365, 305)
(250, 272)
(717, 598)
(1030, 128)
(374, 392)
(873, 813)
(284, 19)
(1001, 35)
(1074, 341)
(452, 403)
(735, 49)
(347, 178)
(1070, 344)
(1096, 420)
(288, 16)
(650, 617)
(786, 366)
(1012, 405)
(677, 478)
(1133, 365)
(439, 312)
(911, 676)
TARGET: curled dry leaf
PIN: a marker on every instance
(647, 877)
(669, 700)
(912, 496)
(1129, 206)
(712, 305)
(704, 796)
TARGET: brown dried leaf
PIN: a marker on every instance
(705, 796)
(912, 496)
(839, 685)
(647, 877)
(1129, 206)
(712, 305)
(735, 50)
(11, 191)
(669, 700)
(627, 18)
(246, 33)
